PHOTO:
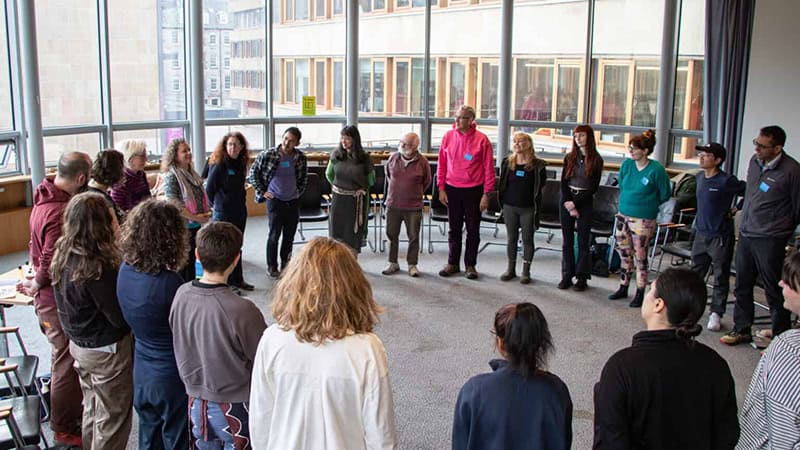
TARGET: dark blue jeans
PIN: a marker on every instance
(283, 217)
(161, 405)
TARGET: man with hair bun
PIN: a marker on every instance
(667, 391)
(770, 214)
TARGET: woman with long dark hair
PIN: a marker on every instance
(522, 177)
(84, 276)
(154, 247)
(580, 178)
(351, 174)
(643, 186)
(227, 171)
(667, 390)
(519, 405)
(184, 187)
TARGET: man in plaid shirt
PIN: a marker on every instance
(279, 176)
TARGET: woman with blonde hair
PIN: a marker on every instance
(84, 277)
(522, 177)
(320, 376)
(134, 187)
(184, 186)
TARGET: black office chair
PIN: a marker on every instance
(493, 215)
(549, 214)
(377, 194)
(438, 214)
(25, 428)
(311, 209)
(27, 366)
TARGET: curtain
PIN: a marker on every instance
(729, 26)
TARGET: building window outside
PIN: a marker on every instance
(338, 84)
(289, 80)
(319, 87)
(227, 82)
(302, 78)
(458, 85)
(377, 86)
(213, 84)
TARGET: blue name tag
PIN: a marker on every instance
(284, 164)
(763, 186)
(645, 181)
(231, 172)
(520, 173)
(468, 156)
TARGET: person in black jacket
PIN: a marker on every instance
(519, 405)
(580, 178)
(227, 171)
(667, 391)
(84, 277)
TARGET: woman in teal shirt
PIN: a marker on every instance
(643, 185)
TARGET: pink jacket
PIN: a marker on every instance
(465, 160)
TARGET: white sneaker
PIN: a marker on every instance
(413, 271)
(714, 322)
(391, 268)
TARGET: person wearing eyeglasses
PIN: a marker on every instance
(713, 225)
(134, 188)
(770, 214)
(409, 175)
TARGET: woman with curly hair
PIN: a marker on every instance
(320, 376)
(580, 179)
(519, 405)
(643, 185)
(107, 171)
(667, 390)
(351, 174)
(84, 277)
(183, 186)
(227, 171)
(134, 187)
(154, 247)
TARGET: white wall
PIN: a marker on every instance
(773, 85)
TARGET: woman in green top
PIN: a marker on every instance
(351, 174)
(643, 185)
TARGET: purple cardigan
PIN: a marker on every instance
(407, 183)
(133, 190)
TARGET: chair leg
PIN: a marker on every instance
(302, 236)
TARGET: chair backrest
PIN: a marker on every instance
(312, 197)
(551, 174)
(380, 180)
(606, 203)
(612, 179)
(325, 186)
(435, 203)
(551, 197)
(494, 202)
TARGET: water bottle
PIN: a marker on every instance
(198, 269)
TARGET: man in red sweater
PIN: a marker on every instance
(49, 202)
(465, 176)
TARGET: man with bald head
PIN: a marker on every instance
(49, 202)
(409, 175)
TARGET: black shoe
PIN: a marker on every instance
(472, 274)
(245, 286)
(273, 272)
(581, 285)
(235, 290)
(637, 299)
(622, 292)
(565, 283)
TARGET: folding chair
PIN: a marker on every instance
(493, 215)
(26, 371)
(438, 214)
(549, 215)
(311, 207)
(25, 428)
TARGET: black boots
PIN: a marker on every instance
(622, 292)
(581, 284)
(510, 272)
(637, 299)
(526, 273)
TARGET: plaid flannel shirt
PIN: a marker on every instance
(265, 166)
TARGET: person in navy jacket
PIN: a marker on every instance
(519, 405)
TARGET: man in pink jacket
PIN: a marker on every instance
(465, 176)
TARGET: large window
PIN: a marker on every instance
(688, 106)
(6, 114)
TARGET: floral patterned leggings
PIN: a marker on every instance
(633, 237)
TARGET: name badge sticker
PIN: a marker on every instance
(231, 172)
(468, 156)
(645, 181)
(285, 164)
(763, 186)
(520, 173)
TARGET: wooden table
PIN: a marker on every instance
(19, 299)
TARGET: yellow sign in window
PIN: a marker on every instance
(309, 105)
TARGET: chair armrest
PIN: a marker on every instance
(684, 210)
(8, 368)
(9, 329)
(670, 225)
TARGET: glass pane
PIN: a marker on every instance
(338, 84)
(276, 11)
(377, 86)
(615, 93)
(317, 137)
(365, 5)
(9, 161)
(319, 88)
(490, 73)
(401, 87)
(457, 87)
(314, 47)
(418, 3)
(6, 113)
(242, 45)
(365, 94)
(383, 138)
(156, 140)
(569, 81)
(417, 89)
(338, 7)
(380, 4)
(534, 89)
(289, 10)
(645, 94)
(683, 150)
(688, 112)
(301, 9)
(402, 3)
(253, 133)
(320, 8)
(54, 146)
(69, 69)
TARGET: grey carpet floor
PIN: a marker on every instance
(436, 330)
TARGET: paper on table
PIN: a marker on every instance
(8, 288)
